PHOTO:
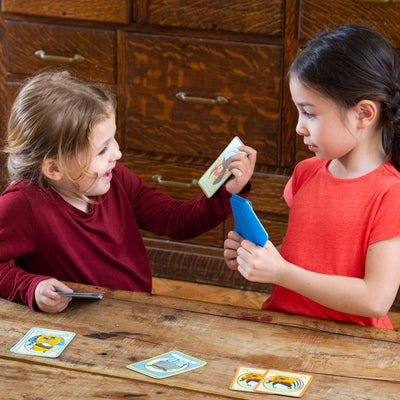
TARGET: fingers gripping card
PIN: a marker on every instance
(247, 223)
(219, 172)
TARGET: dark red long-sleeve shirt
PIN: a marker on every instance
(45, 236)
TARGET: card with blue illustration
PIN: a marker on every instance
(43, 342)
(167, 364)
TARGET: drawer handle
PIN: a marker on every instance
(160, 181)
(77, 58)
(201, 100)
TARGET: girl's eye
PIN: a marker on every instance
(103, 151)
(308, 115)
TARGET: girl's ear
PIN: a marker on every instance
(367, 112)
(51, 169)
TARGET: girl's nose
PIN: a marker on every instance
(300, 129)
(116, 154)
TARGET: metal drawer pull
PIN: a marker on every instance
(201, 100)
(160, 181)
(77, 58)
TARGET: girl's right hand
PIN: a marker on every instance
(46, 296)
(231, 245)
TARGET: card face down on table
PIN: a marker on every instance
(247, 223)
(219, 172)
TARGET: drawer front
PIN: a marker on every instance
(97, 47)
(90, 10)
(381, 15)
(248, 76)
(176, 181)
(263, 17)
(179, 182)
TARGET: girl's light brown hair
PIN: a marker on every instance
(52, 117)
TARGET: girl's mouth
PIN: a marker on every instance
(107, 176)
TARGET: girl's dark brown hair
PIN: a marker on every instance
(354, 63)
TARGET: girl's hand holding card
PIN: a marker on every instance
(236, 160)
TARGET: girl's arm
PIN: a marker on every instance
(371, 296)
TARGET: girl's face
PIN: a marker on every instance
(327, 130)
(105, 153)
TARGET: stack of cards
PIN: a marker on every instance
(165, 365)
(43, 342)
(270, 381)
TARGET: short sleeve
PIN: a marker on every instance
(386, 223)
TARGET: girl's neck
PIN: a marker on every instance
(80, 204)
(353, 166)
(366, 155)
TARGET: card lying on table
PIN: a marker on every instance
(219, 172)
(247, 223)
(270, 381)
(168, 364)
(246, 379)
(284, 382)
(43, 342)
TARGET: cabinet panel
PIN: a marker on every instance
(248, 76)
(91, 10)
(244, 16)
(97, 47)
(383, 16)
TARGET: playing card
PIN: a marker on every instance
(165, 365)
(218, 173)
(284, 382)
(82, 295)
(246, 379)
(43, 342)
(247, 223)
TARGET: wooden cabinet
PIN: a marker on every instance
(155, 54)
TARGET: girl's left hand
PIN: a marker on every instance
(260, 264)
(242, 168)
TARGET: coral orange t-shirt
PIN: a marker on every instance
(332, 222)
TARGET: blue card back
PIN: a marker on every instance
(247, 223)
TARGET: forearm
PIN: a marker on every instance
(341, 293)
(18, 285)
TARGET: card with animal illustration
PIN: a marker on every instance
(165, 365)
(284, 382)
(43, 342)
(219, 172)
(246, 378)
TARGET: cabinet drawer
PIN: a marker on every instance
(91, 10)
(258, 16)
(95, 46)
(381, 15)
(176, 181)
(248, 76)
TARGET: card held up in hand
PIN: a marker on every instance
(247, 223)
(219, 172)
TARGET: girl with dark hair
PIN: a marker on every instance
(340, 258)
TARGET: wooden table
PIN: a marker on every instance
(348, 362)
